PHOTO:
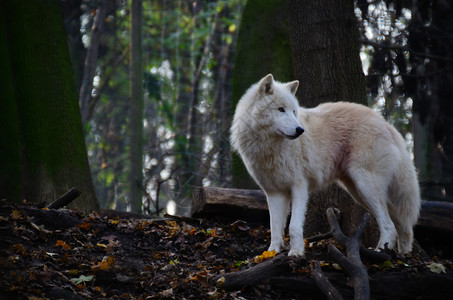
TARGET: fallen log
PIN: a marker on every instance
(436, 215)
(251, 205)
(383, 285)
(276, 266)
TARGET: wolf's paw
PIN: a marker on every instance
(276, 247)
(298, 252)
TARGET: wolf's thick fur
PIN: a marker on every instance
(343, 142)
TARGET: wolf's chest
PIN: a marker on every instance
(273, 170)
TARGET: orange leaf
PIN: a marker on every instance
(265, 256)
(105, 264)
(85, 226)
(63, 245)
(19, 249)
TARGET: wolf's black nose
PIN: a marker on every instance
(299, 131)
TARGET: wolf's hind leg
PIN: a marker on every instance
(405, 236)
(370, 191)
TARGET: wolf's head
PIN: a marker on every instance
(275, 108)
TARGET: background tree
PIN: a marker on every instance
(187, 59)
(89, 70)
(262, 48)
(52, 148)
(136, 109)
(410, 76)
(189, 54)
(325, 51)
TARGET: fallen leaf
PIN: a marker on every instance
(18, 248)
(264, 256)
(85, 226)
(110, 249)
(63, 245)
(220, 281)
(387, 264)
(82, 279)
(105, 264)
(73, 272)
(240, 263)
(437, 268)
(16, 215)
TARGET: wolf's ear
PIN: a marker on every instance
(293, 85)
(266, 85)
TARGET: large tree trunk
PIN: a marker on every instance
(262, 48)
(53, 154)
(10, 170)
(325, 53)
(136, 110)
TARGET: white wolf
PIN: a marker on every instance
(343, 142)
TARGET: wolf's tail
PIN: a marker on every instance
(405, 203)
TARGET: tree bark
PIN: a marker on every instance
(250, 205)
(262, 48)
(11, 173)
(136, 109)
(325, 56)
(53, 154)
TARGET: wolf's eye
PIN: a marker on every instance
(281, 109)
(294, 112)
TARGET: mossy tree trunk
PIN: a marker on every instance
(262, 48)
(10, 170)
(50, 151)
(325, 52)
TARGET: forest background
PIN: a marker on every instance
(189, 81)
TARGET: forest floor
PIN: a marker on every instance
(64, 254)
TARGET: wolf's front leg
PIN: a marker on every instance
(299, 199)
(278, 210)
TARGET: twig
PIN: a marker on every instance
(320, 237)
(64, 200)
(352, 262)
(369, 254)
(323, 283)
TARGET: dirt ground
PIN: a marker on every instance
(64, 254)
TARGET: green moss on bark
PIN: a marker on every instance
(52, 145)
(262, 48)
